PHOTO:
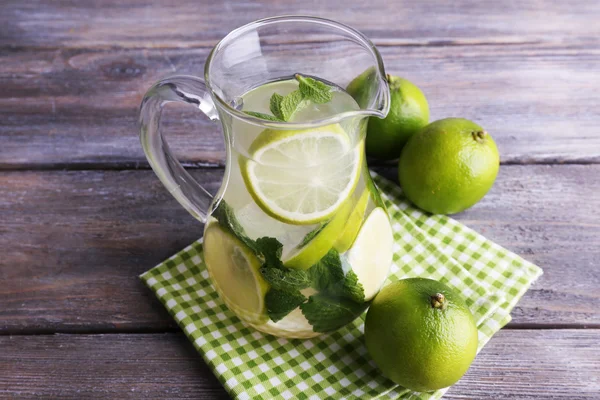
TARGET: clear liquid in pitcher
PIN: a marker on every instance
(300, 242)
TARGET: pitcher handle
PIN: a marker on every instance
(185, 89)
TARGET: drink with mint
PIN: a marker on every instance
(300, 242)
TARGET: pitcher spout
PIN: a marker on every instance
(382, 101)
(371, 91)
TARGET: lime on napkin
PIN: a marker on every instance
(253, 365)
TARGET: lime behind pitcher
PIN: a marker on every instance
(297, 241)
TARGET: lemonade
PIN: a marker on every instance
(300, 242)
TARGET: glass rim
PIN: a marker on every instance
(354, 33)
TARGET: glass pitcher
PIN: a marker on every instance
(297, 240)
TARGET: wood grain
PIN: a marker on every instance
(514, 365)
(146, 366)
(72, 74)
(77, 108)
(74, 242)
(153, 23)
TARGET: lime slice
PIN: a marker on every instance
(234, 270)
(371, 254)
(308, 255)
(353, 224)
(292, 326)
(375, 195)
(302, 177)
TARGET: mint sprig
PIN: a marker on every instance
(326, 313)
(351, 288)
(271, 249)
(327, 276)
(284, 295)
(278, 276)
(226, 217)
(314, 90)
(275, 106)
(263, 116)
(284, 107)
(280, 302)
(291, 103)
(285, 279)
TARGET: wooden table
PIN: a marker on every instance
(82, 215)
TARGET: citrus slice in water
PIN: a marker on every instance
(317, 243)
(353, 223)
(302, 176)
(371, 253)
(234, 270)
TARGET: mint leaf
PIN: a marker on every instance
(275, 106)
(327, 273)
(271, 250)
(311, 235)
(263, 116)
(327, 276)
(280, 303)
(283, 108)
(274, 272)
(326, 313)
(285, 279)
(314, 90)
(226, 217)
(351, 288)
(291, 103)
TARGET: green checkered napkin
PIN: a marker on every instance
(253, 365)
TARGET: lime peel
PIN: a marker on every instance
(371, 254)
(309, 254)
(292, 177)
(234, 269)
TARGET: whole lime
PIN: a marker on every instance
(448, 166)
(421, 334)
(409, 112)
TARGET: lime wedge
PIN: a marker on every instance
(302, 177)
(308, 255)
(371, 254)
(353, 224)
(375, 195)
(234, 270)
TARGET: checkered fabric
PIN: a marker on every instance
(253, 365)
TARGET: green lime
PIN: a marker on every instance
(364, 87)
(448, 166)
(234, 269)
(409, 112)
(302, 177)
(421, 334)
(320, 241)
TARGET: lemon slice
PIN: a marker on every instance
(353, 224)
(371, 253)
(302, 177)
(308, 255)
(234, 270)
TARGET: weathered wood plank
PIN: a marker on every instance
(73, 243)
(516, 364)
(146, 366)
(548, 215)
(68, 108)
(147, 23)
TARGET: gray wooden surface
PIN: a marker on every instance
(81, 215)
